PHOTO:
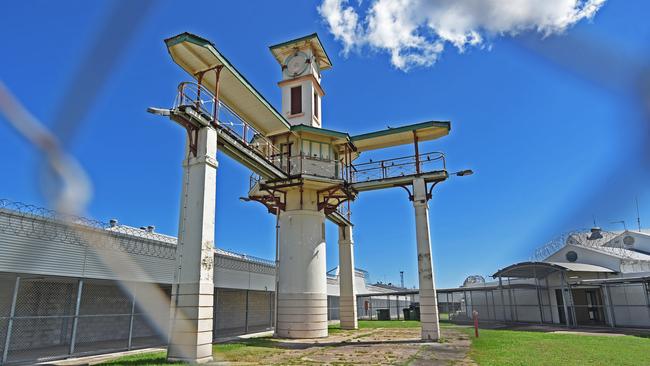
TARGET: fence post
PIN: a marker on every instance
(131, 319)
(647, 296)
(246, 321)
(503, 303)
(270, 310)
(10, 324)
(466, 303)
(539, 297)
(471, 300)
(487, 301)
(564, 301)
(75, 320)
(609, 307)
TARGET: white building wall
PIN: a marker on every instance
(586, 255)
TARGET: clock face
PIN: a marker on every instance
(297, 63)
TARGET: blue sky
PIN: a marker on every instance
(555, 132)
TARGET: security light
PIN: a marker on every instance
(463, 173)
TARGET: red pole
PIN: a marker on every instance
(475, 316)
(215, 112)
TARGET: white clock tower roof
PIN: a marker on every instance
(282, 50)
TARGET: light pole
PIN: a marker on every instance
(429, 319)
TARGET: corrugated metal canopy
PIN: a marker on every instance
(543, 269)
(425, 131)
(195, 54)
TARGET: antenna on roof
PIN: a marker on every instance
(594, 217)
(638, 217)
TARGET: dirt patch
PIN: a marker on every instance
(381, 346)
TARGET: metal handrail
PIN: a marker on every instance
(203, 101)
(395, 167)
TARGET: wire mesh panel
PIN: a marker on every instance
(260, 313)
(43, 320)
(527, 305)
(144, 332)
(229, 312)
(333, 308)
(7, 284)
(44, 315)
(39, 338)
(102, 332)
(104, 318)
(630, 305)
(4, 322)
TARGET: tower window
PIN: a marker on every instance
(315, 105)
(296, 100)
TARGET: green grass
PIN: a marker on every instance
(374, 324)
(245, 350)
(493, 347)
(505, 347)
(148, 359)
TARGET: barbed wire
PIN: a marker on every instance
(31, 221)
(602, 242)
(41, 223)
(473, 280)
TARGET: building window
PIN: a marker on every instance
(315, 105)
(314, 149)
(571, 256)
(296, 100)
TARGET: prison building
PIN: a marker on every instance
(61, 294)
(582, 279)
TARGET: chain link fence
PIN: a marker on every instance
(615, 303)
(44, 318)
(369, 305)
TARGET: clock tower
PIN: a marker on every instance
(302, 61)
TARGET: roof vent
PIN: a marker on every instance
(151, 228)
(143, 228)
(596, 233)
(112, 222)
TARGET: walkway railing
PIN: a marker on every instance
(191, 94)
(397, 167)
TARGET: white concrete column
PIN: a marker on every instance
(428, 299)
(193, 289)
(302, 290)
(347, 290)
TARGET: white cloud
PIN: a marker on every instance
(343, 23)
(414, 32)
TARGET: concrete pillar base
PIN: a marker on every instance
(302, 288)
(191, 360)
(191, 319)
(302, 316)
(429, 315)
(348, 312)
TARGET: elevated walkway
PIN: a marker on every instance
(196, 106)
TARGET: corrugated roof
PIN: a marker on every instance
(196, 54)
(543, 269)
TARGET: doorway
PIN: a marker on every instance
(587, 307)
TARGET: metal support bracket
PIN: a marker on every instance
(339, 193)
